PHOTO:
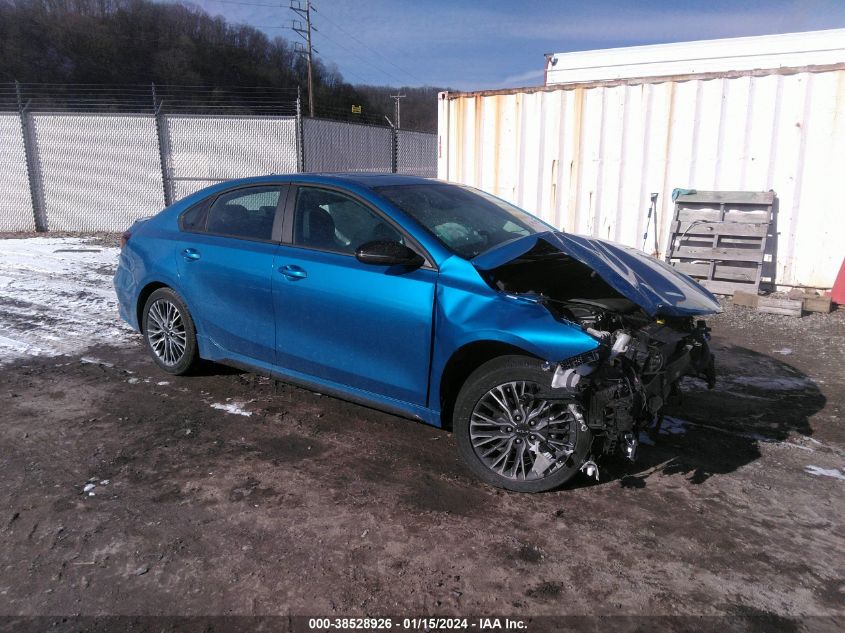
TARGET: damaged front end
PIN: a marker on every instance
(628, 380)
(641, 312)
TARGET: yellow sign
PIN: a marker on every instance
(356, 109)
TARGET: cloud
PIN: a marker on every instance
(664, 26)
(523, 79)
(466, 25)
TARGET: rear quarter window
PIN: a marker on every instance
(194, 218)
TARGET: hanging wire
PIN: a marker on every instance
(372, 49)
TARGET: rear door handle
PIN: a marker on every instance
(191, 254)
(293, 272)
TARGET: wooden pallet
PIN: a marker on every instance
(720, 237)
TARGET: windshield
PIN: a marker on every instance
(469, 222)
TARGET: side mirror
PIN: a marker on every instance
(386, 253)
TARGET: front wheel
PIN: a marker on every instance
(513, 438)
(169, 332)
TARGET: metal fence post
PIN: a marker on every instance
(300, 134)
(395, 153)
(162, 149)
(33, 172)
(394, 145)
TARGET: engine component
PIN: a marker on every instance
(626, 383)
(631, 445)
(590, 469)
(620, 345)
(565, 378)
(575, 410)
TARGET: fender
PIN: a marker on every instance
(473, 312)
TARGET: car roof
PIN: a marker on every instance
(361, 179)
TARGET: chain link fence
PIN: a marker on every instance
(16, 202)
(201, 149)
(416, 153)
(97, 172)
(339, 146)
(96, 159)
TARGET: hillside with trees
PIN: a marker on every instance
(141, 42)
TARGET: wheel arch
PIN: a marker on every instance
(462, 363)
(145, 293)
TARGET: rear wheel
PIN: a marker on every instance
(513, 438)
(169, 332)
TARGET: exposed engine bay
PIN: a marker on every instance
(622, 386)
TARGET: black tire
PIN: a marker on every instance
(480, 384)
(188, 360)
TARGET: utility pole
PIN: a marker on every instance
(304, 32)
(396, 109)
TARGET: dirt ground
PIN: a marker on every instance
(228, 493)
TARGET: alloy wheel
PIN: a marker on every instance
(166, 332)
(520, 436)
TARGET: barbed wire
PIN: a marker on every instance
(148, 98)
(84, 98)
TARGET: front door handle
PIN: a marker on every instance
(293, 272)
(191, 254)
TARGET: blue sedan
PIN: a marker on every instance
(543, 351)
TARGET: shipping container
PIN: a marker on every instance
(586, 156)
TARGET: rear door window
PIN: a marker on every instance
(244, 213)
(330, 221)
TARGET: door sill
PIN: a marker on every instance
(343, 392)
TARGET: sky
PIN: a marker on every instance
(477, 45)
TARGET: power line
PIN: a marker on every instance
(248, 4)
(329, 40)
(306, 31)
(365, 45)
(354, 53)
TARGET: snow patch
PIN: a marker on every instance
(12, 344)
(51, 286)
(232, 407)
(90, 360)
(818, 471)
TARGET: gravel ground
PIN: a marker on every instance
(125, 491)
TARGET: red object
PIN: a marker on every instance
(837, 295)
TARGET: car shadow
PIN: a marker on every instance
(207, 368)
(757, 399)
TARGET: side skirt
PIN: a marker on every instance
(209, 350)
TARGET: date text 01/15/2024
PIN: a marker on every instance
(417, 624)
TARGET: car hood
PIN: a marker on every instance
(653, 285)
